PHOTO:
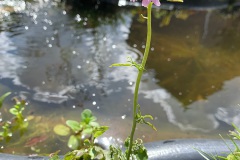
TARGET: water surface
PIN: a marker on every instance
(58, 60)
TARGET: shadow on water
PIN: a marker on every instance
(57, 59)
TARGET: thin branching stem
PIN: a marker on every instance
(139, 76)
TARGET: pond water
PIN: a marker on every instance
(58, 60)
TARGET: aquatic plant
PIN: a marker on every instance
(17, 122)
(83, 137)
(233, 155)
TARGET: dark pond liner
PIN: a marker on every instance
(178, 149)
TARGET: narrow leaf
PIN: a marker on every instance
(3, 97)
(121, 65)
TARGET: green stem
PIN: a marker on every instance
(139, 76)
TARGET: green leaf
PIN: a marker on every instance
(3, 97)
(14, 111)
(73, 142)
(94, 124)
(61, 130)
(86, 114)
(121, 65)
(142, 154)
(99, 131)
(70, 156)
(92, 118)
(87, 131)
(87, 143)
(96, 153)
(74, 125)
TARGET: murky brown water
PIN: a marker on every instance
(58, 60)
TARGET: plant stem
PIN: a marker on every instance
(139, 76)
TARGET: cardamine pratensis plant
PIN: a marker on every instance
(137, 116)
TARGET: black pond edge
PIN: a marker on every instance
(176, 149)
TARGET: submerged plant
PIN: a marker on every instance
(17, 123)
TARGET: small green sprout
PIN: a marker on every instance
(87, 128)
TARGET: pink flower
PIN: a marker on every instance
(146, 2)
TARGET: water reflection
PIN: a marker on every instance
(62, 58)
(190, 62)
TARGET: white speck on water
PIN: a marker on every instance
(79, 67)
(50, 45)
(152, 49)
(73, 106)
(129, 100)
(135, 45)
(73, 52)
(78, 18)
(98, 107)
(169, 59)
(180, 93)
(123, 116)
(45, 13)
(155, 118)
(130, 83)
(52, 38)
(87, 62)
(26, 27)
(44, 28)
(84, 23)
(94, 103)
(104, 38)
(2, 147)
(55, 32)
(114, 46)
(93, 95)
(143, 46)
(64, 12)
(43, 82)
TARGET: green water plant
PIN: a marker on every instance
(82, 136)
(17, 123)
(138, 118)
(233, 154)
